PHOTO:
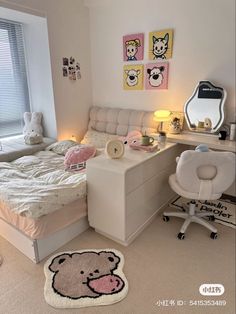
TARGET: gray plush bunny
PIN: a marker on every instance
(33, 131)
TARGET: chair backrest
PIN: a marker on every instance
(206, 173)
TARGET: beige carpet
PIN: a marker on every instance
(157, 265)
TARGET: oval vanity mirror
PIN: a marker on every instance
(204, 111)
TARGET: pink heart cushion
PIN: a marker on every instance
(107, 284)
(78, 154)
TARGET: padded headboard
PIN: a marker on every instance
(121, 121)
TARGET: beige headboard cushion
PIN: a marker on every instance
(121, 121)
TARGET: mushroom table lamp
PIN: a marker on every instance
(161, 116)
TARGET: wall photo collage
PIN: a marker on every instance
(154, 74)
(71, 68)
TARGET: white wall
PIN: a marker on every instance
(204, 49)
(68, 31)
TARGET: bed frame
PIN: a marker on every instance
(38, 249)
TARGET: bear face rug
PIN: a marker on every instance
(85, 278)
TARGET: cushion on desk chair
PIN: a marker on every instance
(205, 174)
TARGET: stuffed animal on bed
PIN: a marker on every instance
(33, 131)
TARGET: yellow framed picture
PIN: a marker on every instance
(133, 77)
(160, 44)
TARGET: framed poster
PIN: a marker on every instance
(133, 47)
(160, 44)
(156, 75)
(133, 77)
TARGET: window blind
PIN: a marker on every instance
(14, 94)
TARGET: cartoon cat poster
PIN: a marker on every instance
(160, 44)
(133, 77)
(133, 47)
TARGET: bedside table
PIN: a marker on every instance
(124, 195)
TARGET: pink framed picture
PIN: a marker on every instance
(156, 75)
(133, 47)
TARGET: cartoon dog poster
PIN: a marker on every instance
(156, 75)
(133, 77)
(133, 47)
(160, 44)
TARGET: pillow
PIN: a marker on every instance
(79, 154)
(61, 147)
(97, 139)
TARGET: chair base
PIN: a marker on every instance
(192, 216)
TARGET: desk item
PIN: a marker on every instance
(207, 124)
(162, 116)
(201, 176)
(202, 148)
(232, 131)
(222, 135)
(175, 125)
(200, 124)
(205, 108)
(115, 149)
(146, 140)
(146, 148)
(161, 138)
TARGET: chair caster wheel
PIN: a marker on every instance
(212, 218)
(214, 235)
(181, 236)
(165, 218)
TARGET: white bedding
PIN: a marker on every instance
(36, 185)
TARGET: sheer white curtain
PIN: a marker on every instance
(14, 94)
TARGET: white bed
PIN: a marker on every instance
(39, 235)
(39, 199)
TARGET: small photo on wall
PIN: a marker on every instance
(156, 75)
(133, 47)
(160, 44)
(65, 71)
(133, 77)
(65, 61)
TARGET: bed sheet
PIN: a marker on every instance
(37, 185)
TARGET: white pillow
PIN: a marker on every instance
(61, 147)
(97, 139)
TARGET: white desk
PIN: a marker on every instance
(195, 139)
(124, 195)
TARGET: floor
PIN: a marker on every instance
(164, 273)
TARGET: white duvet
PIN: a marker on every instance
(36, 185)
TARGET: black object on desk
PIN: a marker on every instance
(222, 135)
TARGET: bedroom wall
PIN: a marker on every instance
(204, 49)
(68, 32)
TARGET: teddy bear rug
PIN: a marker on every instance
(85, 278)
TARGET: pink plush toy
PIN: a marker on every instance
(76, 156)
(131, 137)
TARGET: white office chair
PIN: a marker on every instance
(201, 176)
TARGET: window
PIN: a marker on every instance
(14, 94)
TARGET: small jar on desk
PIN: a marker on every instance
(232, 131)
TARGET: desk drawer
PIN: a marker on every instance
(145, 171)
(143, 202)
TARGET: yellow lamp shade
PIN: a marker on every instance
(162, 115)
